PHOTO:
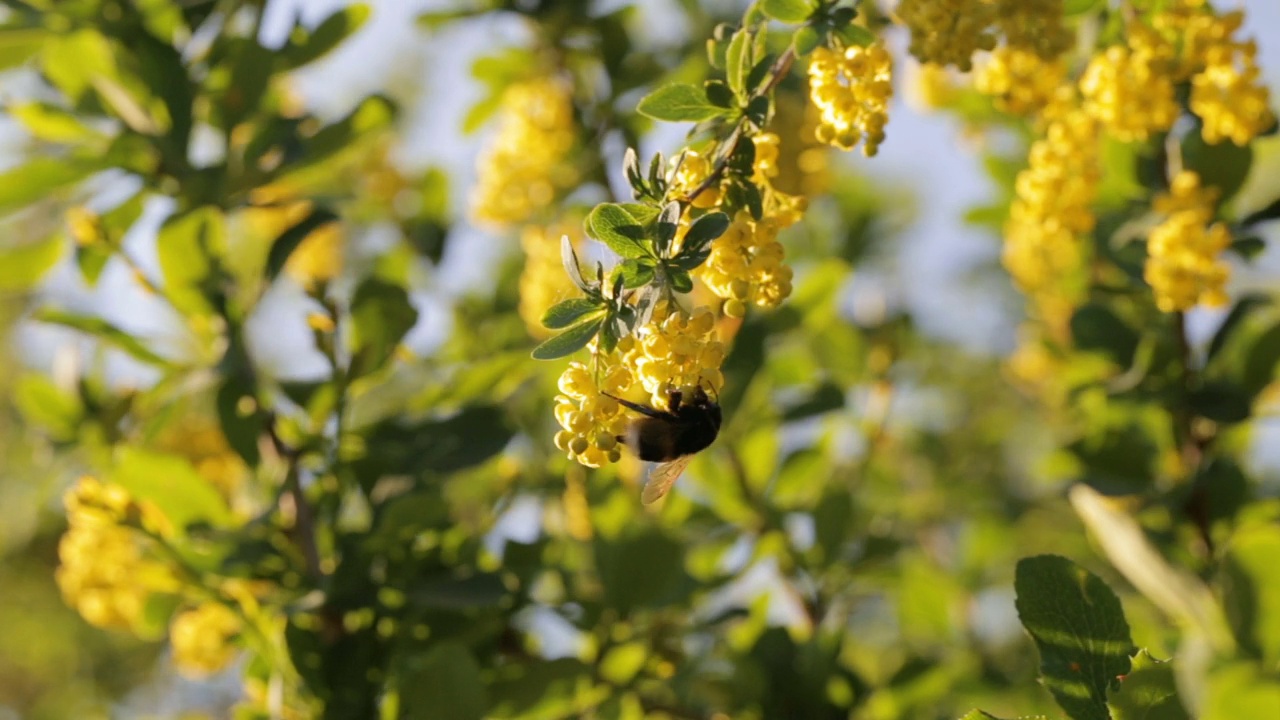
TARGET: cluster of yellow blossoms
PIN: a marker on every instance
(1020, 81)
(109, 572)
(1184, 265)
(1044, 249)
(543, 281)
(674, 351)
(746, 262)
(1131, 88)
(851, 88)
(524, 169)
(106, 572)
(948, 32)
(202, 638)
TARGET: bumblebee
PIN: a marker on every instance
(671, 437)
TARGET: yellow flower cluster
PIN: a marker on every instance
(1043, 249)
(852, 88)
(1226, 91)
(524, 169)
(1184, 265)
(1035, 26)
(673, 351)
(948, 32)
(203, 639)
(592, 420)
(1020, 81)
(1130, 88)
(104, 571)
(677, 352)
(543, 282)
(745, 265)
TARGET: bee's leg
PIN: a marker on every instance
(674, 398)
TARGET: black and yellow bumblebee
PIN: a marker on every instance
(671, 437)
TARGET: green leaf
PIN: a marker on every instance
(1224, 166)
(738, 61)
(443, 682)
(568, 312)
(663, 579)
(857, 35)
(104, 331)
(1096, 328)
(1241, 691)
(381, 315)
(73, 60)
(241, 416)
(568, 342)
(1260, 364)
(561, 688)
(189, 245)
(825, 398)
(326, 36)
(52, 124)
(1251, 590)
(283, 246)
(17, 45)
(23, 266)
(1270, 212)
(788, 11)
(569, 259)
(679, 102)
(704, 230)
(612, 225)
(634, 273)
(806, 40)
(681, 282)
(1242, 309)
(1221, 402)
(432, 447)
(1147, 692)
(1248, 248)
(44, 405)
(172, 484)
(39, 178)
(1079, 628)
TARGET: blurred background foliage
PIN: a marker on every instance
(307, 363)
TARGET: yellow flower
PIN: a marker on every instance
(1130, 88)
(524, 169)
(104, 571)
(1184, 265)
(746, 265)
(852, 90)
(543, 281)
(1034, 26)
(1044, 248)
(1230, 98)
(948, 32)
(1021, 82)
(203, 639)
(676, 351)
(592, 420)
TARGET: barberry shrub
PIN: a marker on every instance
(311, 462)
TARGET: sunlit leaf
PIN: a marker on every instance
(1079, 628)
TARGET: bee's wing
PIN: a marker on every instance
(662, 478)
